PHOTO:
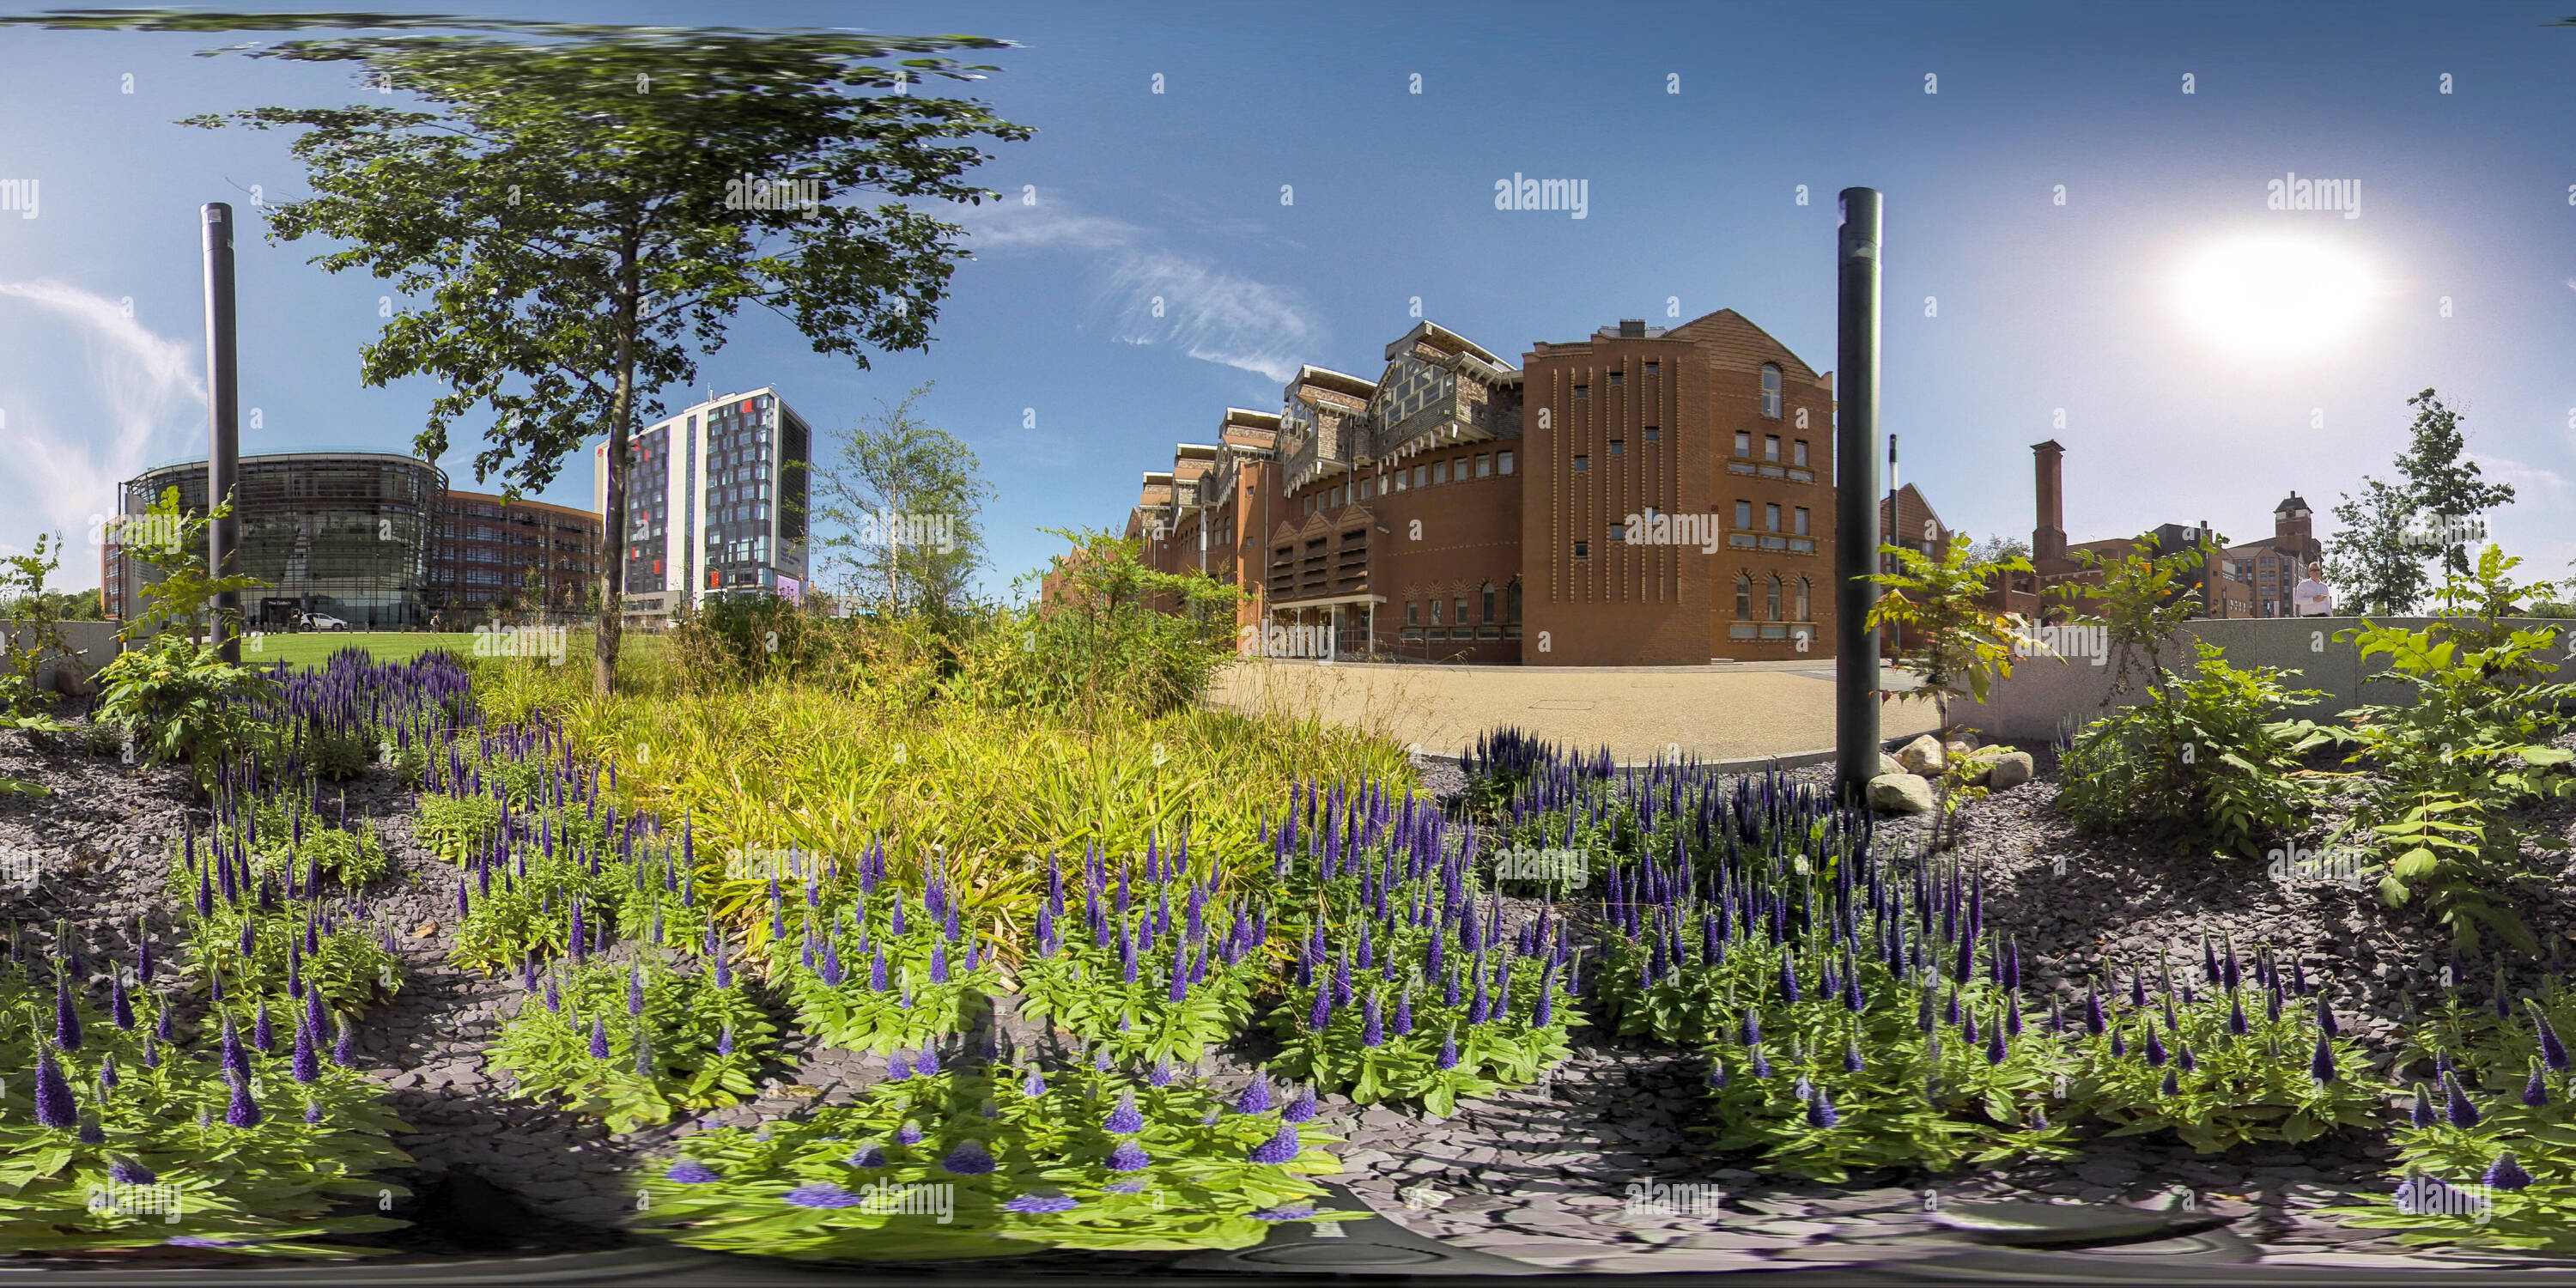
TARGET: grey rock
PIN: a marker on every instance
(1900, 793)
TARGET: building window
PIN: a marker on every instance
(1422, 476)
(1582, 391)
(1798, 452)
(1744, 516)
(1771, 600)
(1503, 462)
(1802, 601)
(1516, 603)
(1435, 612)
(1770, 391)
(1618, 447)
(1770, 517)
(1743, 444)
(1489, 603)
(1801, 518)
(1462, 610)
(1771, 447)
(1582, 549)
(1618, 533)
(1368, 488)
(1484, 465)
(1744, 596)
(1583, 462)
(1617, 378)
(1650, 367)
(1412, 613)
(1653, 434)
(1440, 471)
(1399, 480)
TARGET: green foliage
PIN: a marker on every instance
(834, 1186)
(1082, 986)
(351, 856)
(30, 625)
(309, 941)
(2204, 760)
(1111, 634)
(280, 1187)
(891, 471)
(455, 827)
(2450, 766)
(1948, 638)
(691, 1046)
(182, 700)
(931, 985)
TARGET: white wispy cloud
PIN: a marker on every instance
(72, 440)
(1153, 294)
(2524, 478)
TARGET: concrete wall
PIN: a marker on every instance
(2043, 692)
(93, 642)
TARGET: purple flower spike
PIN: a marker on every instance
(822, 1196)
(2457, 1107)
(969, 1159)
(871, 1157)
(1040, 1204)
(1033, 1086)
(598, 1038)
(1302, 1108)
(1124, 1120)
(67, 1025)
(126, 1171)
(2552, 1051)
(55, 1106)
(2422, 1114)
(2508, 1174)
(308, 1062)
(1294, 1212)
(1128, 1157)
(2321, 1065)
(689, 1171)
(1279, 1149)
(2535, 1093)
(344, 1052)
(1820, 1110)
(244, 1111)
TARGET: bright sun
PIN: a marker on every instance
(2276, 296)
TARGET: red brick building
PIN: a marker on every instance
(491, 552)
(1640, 496)
(2254, 579)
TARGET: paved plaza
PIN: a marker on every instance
(1728, 711)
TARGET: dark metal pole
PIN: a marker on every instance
(223, 422)
(1856, 534)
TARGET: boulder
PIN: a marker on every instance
(1887, 765)
(1923, 757)
(2011, 769)
(1901, 793)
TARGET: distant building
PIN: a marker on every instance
(347, 534)
(492, 552)
(2255, 579)
(716, 504)
(1643, 495)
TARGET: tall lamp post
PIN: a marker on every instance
(223, 422)
(1856, 528)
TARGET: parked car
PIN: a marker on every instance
(322, 622)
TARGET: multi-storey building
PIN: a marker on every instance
(492, 552)
(1645, 495)
(716, 504)
(2251, 580)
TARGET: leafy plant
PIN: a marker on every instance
(635, 1043)
(1955, 645)
(988, 1160)
(2205, 759)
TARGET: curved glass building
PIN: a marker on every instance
(343, 533)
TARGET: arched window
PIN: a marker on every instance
(1488, 596)
(1516, 603)
(1771, 390)
(1802, 601)
(1772, 597)
(1743, 597)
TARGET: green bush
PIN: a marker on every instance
(2205, 759)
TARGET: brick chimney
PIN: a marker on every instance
(2048, 538)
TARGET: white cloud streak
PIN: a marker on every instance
(70, 444)
(1155, 295)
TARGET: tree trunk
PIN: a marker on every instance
(612, 571)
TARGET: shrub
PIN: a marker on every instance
(2206, 759)
(635, 1043)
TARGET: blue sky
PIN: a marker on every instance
(1049, 362)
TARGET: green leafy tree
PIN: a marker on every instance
(2445, 488)
(2373, 562)
(175, 693)
(586, 212)
(1953, 643)
(899, 500)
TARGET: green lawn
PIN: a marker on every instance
(308, 649)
